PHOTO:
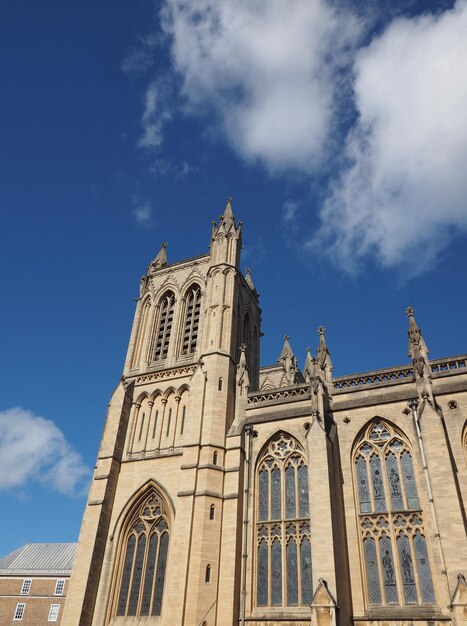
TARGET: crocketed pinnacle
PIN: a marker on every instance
(309, 369)
(416, 341)
(323, 356)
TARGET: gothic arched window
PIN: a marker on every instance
(283, 544)
(166, 314)
(146, 543)
(393, 540)
(191, 326)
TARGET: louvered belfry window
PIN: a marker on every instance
(144, 561)
(394, 547)
(167, 305)
(283, 543)
(193, 308)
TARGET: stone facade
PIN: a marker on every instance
(226, 494)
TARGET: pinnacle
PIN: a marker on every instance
(228, 215)
(286, 349)
(248, 279)
(161, 258)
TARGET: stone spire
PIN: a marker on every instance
(160, 260)
(324, 358)
(288, 360)
(418, 352)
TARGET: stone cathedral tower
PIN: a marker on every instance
(227, 494)
(165, 456)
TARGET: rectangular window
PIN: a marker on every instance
(25, 589)
(19, 611)
(59, 587)
(53, 613)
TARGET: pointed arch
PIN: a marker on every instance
(283, 539)
(395, 561)
(166, 308)
(191, 317)
(139, 572)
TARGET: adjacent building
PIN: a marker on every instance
(34, 582)
(225, 493)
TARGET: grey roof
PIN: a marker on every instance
(40, 559)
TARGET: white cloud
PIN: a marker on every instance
(155, 116)
(32, 448)
(141, 57)
(268, 70)
(289, 212)
(403, 193)
(143, 213)
(166, 167)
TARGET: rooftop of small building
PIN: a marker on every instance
(39, 559)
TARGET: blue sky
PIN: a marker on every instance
(338, 128)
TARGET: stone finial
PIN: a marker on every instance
(161, 258)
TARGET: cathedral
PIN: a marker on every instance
(226, 493)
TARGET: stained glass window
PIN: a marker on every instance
(395, 553)
(372, 574)
(263, 495)
(137, 572)
(409, 481)
(262, 574)
(148, 581)
(290, 481)
(389, 572)
(303, 490)
(408, 579)
(423, 567)
(283, 567)
(276, 573)
(362, 482)
(292, 573)
(144, 562)
(276, 512)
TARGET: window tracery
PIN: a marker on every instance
(283, 544)
(167, 305)
(146, 542)
(394, 547)
(191, 326)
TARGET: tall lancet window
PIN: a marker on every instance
(193, 308)
(394, 549)
(144, 559)
(283, 543)
(166, 314)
